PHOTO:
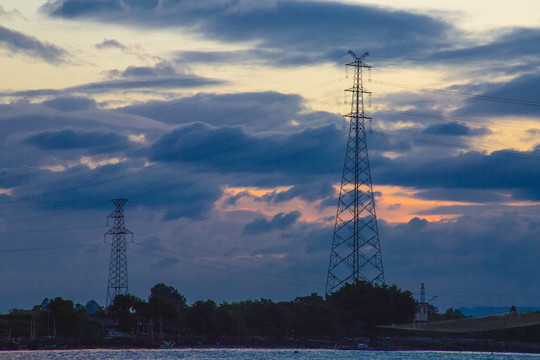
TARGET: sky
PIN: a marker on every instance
(221, 123)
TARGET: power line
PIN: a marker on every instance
(46, 248)
(229, 256)
(235, 166)
(166, 107)
(461, 146)
(50, 230)
(463, 260)
(78, 178)
(161, 156)
(229, 265)
(460, 94)
(221, 270)
(446, 118)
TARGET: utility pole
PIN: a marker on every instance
(118, 271)
(356, 253)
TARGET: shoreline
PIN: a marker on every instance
(393, 343)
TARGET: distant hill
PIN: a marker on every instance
(486, 310)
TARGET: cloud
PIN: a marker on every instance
(518, 96)
(272, 57)
(232, 149)
(187, 81)
(463, 195)
(443, 254)
(73, 139)
(221, 57)
(71, 103)
(162, 69)
(311, 191)
(278, 26)
(278, 222)
(175, 179)
(257, 111)
(110, 43)
(454, 129)
(160, 76)
(470, 170)
(75, 7)
(515, 43)
(232, 200)
(418, 223)
(16, 42)
(9, 14)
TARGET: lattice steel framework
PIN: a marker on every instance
(118, 270)
(356, 253)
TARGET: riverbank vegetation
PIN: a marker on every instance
(349, 312)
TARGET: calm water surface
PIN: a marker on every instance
(251, 354)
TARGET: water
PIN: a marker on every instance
(257, 354)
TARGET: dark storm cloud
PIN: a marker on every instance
(294, 158)
(232, 200)
(21, 120)
(517, 43)
(80, 187)
(259, 112)
(305, 32)
(472, 170)
(311, 191)
(16, 42)
(75, 7)
(32, 93)
(231, 149)
(278, 222)
(330, 202)
(518, 96)
(74, 139)
(71, 103)
(454, 129)
(298, 156)
(162, 69)
(308, 159)
(497, 248)
(263, 111)
(385, 143)
(270, 57)
(466, 195)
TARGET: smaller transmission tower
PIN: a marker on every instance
(356, 253)
(118, 272)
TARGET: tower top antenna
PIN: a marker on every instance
(359, 59)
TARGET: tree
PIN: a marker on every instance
(201, 317)
(126, 308)
(170, 293)
(166, 305)
(313, 316)
(363, 304)
(66, 319)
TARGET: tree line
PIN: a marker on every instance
(350, 311)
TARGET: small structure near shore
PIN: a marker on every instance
(422, 309)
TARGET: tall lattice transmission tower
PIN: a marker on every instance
(118, 271)
(356, 253)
